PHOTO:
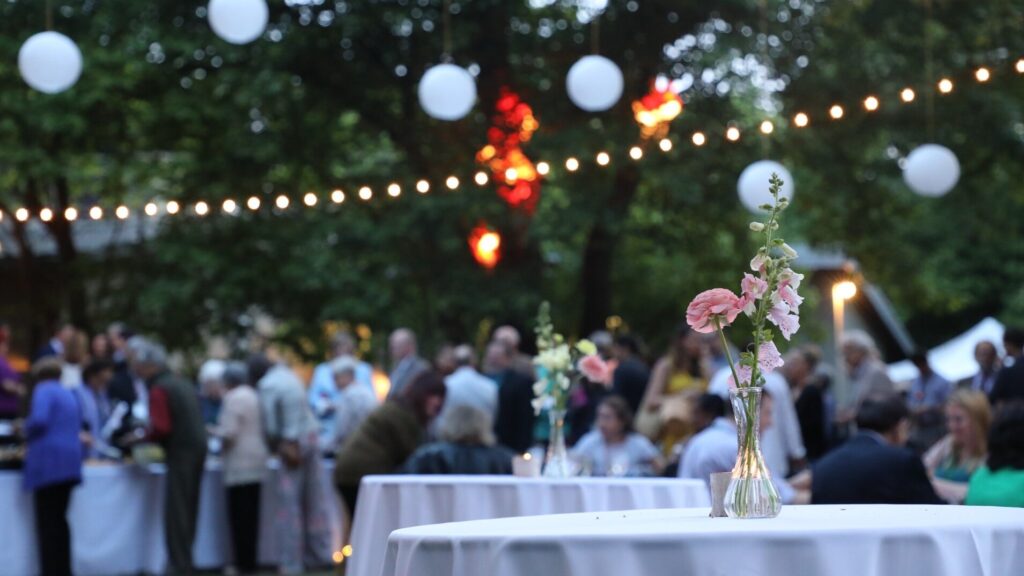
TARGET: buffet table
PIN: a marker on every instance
(387, 503)
(116, 518)
(813, 540)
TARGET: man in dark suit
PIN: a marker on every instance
(54, 347)
(631, 375)
(1010, 381)
(516, 417)
(873, 467)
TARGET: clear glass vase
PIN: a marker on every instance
(556, 464)
(751, 493)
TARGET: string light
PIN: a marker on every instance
(801, 120)
(907, 95)
(282, 202)
(945, 85)
(698, 139)
(46, 214)
(480, 178)
(732, 134)
(394, 190)
(229, 206)
(172, 207)
(665, 144)
(543, 168)
(202, 208)
(253, 203)
(871, 103)
(121, 212)
(365, 193)
(836, 111)
(95, 212)
(603, 158)
(572, 164)
(452, 182)
(21, 214)
(309, 199)
(337, 196)
(982, 74)
(423, 186)
(636, 153)
(1019, 67)
(150, 209)
(71, 214)
(767, 127)
(511, 175)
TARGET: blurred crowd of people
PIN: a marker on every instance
(828, 436)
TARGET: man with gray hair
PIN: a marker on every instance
(467, 387)
(466, 447)
(176, 424)
(406, 363)
(867, 375)
(509, 337)
(353, 404)
(323, 394)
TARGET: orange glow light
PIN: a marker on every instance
(486, 246)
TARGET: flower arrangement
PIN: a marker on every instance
(560, 364)
(769, 296)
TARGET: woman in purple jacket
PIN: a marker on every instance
(53, 464)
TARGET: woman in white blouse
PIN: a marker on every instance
(613, 448)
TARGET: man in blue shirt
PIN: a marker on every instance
(323, 394)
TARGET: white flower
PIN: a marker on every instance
(788, 251)
(540, 387)
(563, 381)
(756, 226)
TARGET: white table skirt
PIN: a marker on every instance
(387, 503)
(803, 540)
(116, 518)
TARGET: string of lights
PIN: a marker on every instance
(365, 193)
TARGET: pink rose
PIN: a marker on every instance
(717, 303)
(768, 358)
(595, 369)
(788, 323)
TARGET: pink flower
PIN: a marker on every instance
(788, 323)
(768, 358)
(752, 289)
(715, 304)
(789, 281)
(759, 262)
(595, 369)
(744, 373)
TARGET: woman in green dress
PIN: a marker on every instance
(952, 460)
(1000, 482)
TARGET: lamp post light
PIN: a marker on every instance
(841, 292)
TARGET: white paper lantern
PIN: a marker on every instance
(238, 21)
(594, 83)
(931, 170)
(50, 62)
(447, 92)
(754, 183)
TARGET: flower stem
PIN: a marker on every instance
(728, 354)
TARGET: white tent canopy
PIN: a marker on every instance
(954, 360)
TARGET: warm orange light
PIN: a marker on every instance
(511, 175)
(732, 134)
(1019, 67)
(945, 85)
(636, 153)
(698, 139)
(982, 74)
(423, 186)
(603, 158)
(871, 103)
(229, 206)
(543, 168)
(836, 112)
(452, 182)
(21, 214)
(394, 190)
(665, 144)
(572, 164)
(365, 193)
(656, 109)
(202, 208)
(121, 212)
(337, 196)
(844, 290)
(485, 245)
(151, 209)
(338, 557)
(346, 550)
(480, 178)
(907, 95)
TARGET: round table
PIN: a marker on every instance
(813, 540)
(387, 503)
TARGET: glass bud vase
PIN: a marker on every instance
(751, 492)
(556, 464)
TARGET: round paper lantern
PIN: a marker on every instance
(50, 62)
(754, 183)
(594, 83)
(931, 170)
(238, 21)
(447, 92)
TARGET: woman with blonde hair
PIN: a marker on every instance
(952, 460)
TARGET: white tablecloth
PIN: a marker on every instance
(116, 518)
(387, 503)
(803, 540)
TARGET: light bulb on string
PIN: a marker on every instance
(945, 85)
(836, 111)
(46, 214)
(698, 139)
(801, 120)
(982, 74)
(423, 186)
(543, 168)
(337, 196)
(732, 134)
(480, 178)
(202, 208)
(603, 158)
(907, 95)
(121, 212)
(365, 193)
(767, 127)
(21, 214)
(229, 206)
(309, 199)
(1019, 66)
(151, 209)
(282, 202)
(253, 203)
(452, 182)
(71, 214)
(871, 103)
(172, 207)
(665, 144)
(394, 190)
(572, 164)
(95, 212)
(636, 153)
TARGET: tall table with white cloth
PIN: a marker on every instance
(116, 518)
(871, 540)
(387, 503)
